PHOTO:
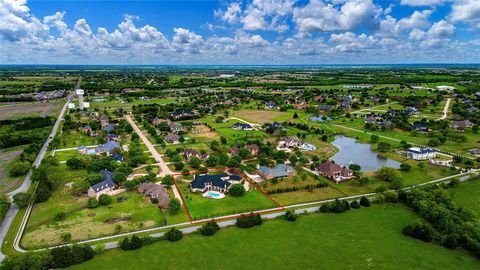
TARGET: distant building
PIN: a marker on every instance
(155, 191)
(474, 151)
(80, 94)
(105, 186)
(300, 106)
(234, 150)
(254, 149)
(107, 148)
(445, 88)
(347, 101)
(420, 127)
(112, 137)
(421, 153)
(307, 147)
(290, 142)
(172, 138)
(217, 182)
(335, 172)
(242, 126)
(357, 86)
(461, 125)
(279, 171)
(325, 108)
(190, 153)
(184, 114)
(270, 105)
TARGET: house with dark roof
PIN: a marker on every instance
(420, 127)
(279, 171)
(242, 126)
(347, 101)
(421, 153)
(155, 191)
(462, 124)
(335, 172)
(474, 151)
(105, 186)
(184, 114)
(271, 105)
(175, 127)
(107, 148)
(410, 111)
(217, 182)
(172, 138)
(112, 137)
(190, 153)
(325, 107)
(117, 157)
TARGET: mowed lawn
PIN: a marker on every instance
(367, 238)
(467, 195)
(200, 207)
(263, 116)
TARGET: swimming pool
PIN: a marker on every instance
(213, 194)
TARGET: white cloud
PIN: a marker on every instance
(392, 26)
(185, 40)
(231, 14)
(320, 16)
(417, 3)
(466, 11)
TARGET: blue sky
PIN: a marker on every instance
(239, 32)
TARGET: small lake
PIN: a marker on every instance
(320, 118)
(352, 152)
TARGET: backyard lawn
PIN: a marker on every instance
(200, 207)
(76, 139)
(351, 240)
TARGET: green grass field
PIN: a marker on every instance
(368, 238)
(467, 195)
(200, 207)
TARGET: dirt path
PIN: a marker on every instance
(164, 170)
(445, 109)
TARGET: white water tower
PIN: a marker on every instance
(80, 93)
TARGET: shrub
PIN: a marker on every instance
(92, 203)
(125, 244)
(210, 228)
(19, 168)
(355, 204)
(174, 206)
(22, 199)
(324, 208)
(420, 231)
(236, 190)
(247, 221)
(405, 167)
(364, 201)
(174, 235)
(290, 215)
(135, 242)
(104, 199)
(380, 189)
(60, 216)
(454, 182)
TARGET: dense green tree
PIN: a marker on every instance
(104, 199)
(236, 190)
(174, 206)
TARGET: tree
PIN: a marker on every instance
(209, 228)
(19, 168)
(290, 215)
(374, 138)
(80, 187)
(94, 178)
(383, 147)
(125, 244)
(174, 206)
(405, 167)
(387, 174)
(119, 177)
(43, 192)
(244, 153)
(104, 199)
(22, 199)
(355, 204)
(211, 161)
(295, 115)
(135, 242)
(76, 163)
(174, 235)
(420, 231)
(364, 181)
(92, 203)
(195, 162)
(354, 167)
(236, 190)
(168, 180)
(364, 201)
(223, 140)
(178, 166)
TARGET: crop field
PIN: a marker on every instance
(308, 243)
(19, 110)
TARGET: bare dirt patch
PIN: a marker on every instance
(259, 117)
(7, 184)
(117, 219)
(17, 110)
(203, 131)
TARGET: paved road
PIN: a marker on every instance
(445, 110)
(164, 169)
(12, 212)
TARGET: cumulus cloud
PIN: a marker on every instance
(231, 15)
(417, 3)
(185, 40)
(323, 17)
(392, 26)
(466, 11)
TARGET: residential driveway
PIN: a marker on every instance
(164, 170)
(445, 110)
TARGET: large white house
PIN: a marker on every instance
(421, 153)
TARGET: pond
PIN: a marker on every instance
(352, 152)
(320, 118)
